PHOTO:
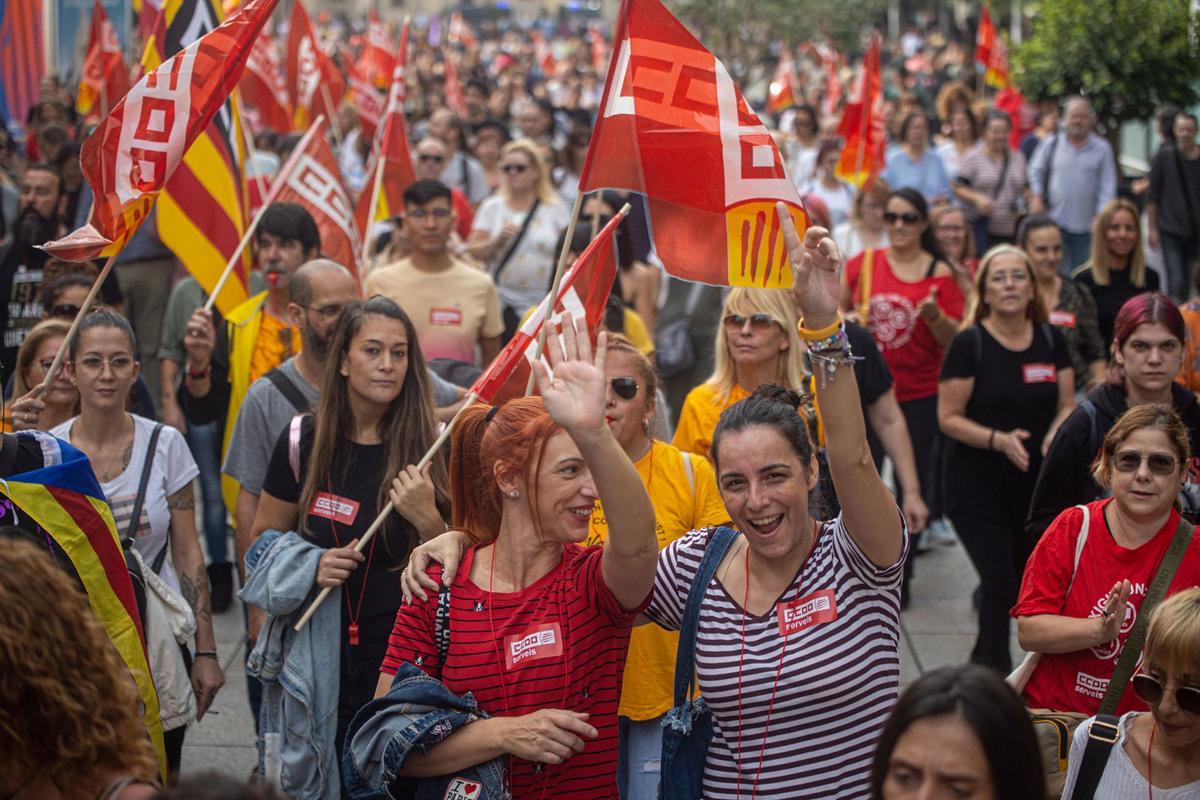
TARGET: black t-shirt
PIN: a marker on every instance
(1110, 298)
(1013, 389)
(873, 376)
(344, 512)
(20, 301)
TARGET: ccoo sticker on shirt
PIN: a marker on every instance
(1039, 373)
(462, 789)
(1062, 319)
(815, 609)
(445, 316)
(338, 509)
(541, 642)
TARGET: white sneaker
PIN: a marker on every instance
(941, 533)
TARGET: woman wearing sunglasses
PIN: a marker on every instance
(1157, 754)
(515, 230)
(756, 344)
(1147, 353)
(1079, 615)
(1005, 386)
(908, 296)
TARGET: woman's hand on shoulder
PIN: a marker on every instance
(574, 396)
(816, 262)
(447, 550)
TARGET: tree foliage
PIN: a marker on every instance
(1126, 56)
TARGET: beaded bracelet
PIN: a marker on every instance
(825, 364)
(837, 341)
(821, 333)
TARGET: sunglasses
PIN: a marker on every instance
(514, 169)
(908, 217)
(757, 321)
(64, 311)
(624, 388)
(426, 157)
(1131, 460)
(1151, 691)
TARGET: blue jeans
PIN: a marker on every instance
(1077, 248)
(205, 443)
(1178, 254)
(639, 755)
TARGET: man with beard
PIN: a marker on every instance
(39, 219)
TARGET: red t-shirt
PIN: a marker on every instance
(558, 643)
(912, 354)
(1077, 681)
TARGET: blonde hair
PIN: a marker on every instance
(531, 150)
(789, 369)
(1173, 640)
(978, 311)
(46, 329)
(1148, 415)
(935, 218)
(1099, 263)
(69, 709)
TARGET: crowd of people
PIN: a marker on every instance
(997, 321)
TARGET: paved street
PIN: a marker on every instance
(937, 630)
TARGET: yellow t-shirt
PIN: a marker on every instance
(270, 349)
(678, 508)
(698, 417)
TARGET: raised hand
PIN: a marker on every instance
(575, 396)
(1112, 616)
(816, 262)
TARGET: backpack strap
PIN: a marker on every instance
(1053, 148)
(1103, 733)
(288, 388)
(294, 445)
(685, 666)
(140, 500)
(1131, 651)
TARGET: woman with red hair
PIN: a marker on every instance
(1147, 352)
(538, 625)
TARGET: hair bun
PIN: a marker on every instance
(778, 394)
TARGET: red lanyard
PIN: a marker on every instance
(352, 614)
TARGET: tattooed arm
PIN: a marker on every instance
(188, 559)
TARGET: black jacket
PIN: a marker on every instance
(1065, 478)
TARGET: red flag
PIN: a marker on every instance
(861, 126)
(460, 32)
(365, 97)
(376, 62)
(315, 84)
(985, 39)
(997, 72)
(781, 93)
(148, 12)
(392, 147)
(105, 78)
(670, 109)
(583, 292)
(263, 89)
(833, 87)
(542, 53)
(454, 89)
(136, 148)
(310, 178)
(1011, 101)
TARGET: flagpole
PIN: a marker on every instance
(252, 152)
(280, 178)
(333, 121)
(376, 182)
(552, 297)
(467, 402)
(56, 365)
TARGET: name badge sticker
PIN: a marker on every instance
(445, 316)
(1062, 319)
(338, 509)
(805, 612)
(540, 643)
(1039, 373)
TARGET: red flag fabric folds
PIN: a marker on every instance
(376, 62)
(263, 89)
(130, 156)
(673, 126)
(861, 126)
(392, 147)
(315, 84)
(105, 77)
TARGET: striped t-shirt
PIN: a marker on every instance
(558, 643)
(837, 682)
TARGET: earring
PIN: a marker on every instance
(513, 494)
(645, 426)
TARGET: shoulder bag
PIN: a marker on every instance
(674, 351)
(688, 727)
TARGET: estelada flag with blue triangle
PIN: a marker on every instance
(66, 501)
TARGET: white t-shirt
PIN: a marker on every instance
(838, 200)
(172, 469)
(526, 278)
(1120, 779)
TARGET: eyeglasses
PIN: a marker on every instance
(65, 311)
(1131, 460)
(624, 388)
(514, 169)
(757, 321)
(422, 214)
(46, 364)
(431, 157)
(908, 217)
(94, 365)
(1151, 691)
(331, 311)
